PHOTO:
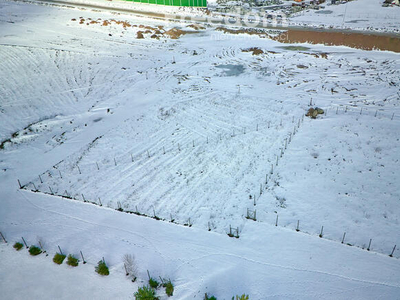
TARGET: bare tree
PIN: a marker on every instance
(130, 266)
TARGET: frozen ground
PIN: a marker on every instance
(191, 129)
(357, 14)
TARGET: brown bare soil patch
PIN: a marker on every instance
(139, 35)
(150, 28)
(152, 32)
(196, 26)
(174, 33)
(353, 40)
(255, 50)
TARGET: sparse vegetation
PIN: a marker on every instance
(145, 293)
(169, 287)
(72, 261)
(18, 246)
(153, 283)
(102, 268)
(59, 258)
(34, 250)
(206, 297)
(243, 297)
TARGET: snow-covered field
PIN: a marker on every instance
(355, 15)
(197, 130)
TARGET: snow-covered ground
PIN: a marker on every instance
(365, 15)
(356, 15)
(200, 131)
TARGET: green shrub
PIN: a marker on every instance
(145, 293)
(153, 283)
(34, 250)
(59, 258)
(243, 297)
(102, 268)
(169, 288)
(209, 298)
(18, 246)
(72, 261)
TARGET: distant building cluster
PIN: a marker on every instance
(186, 3)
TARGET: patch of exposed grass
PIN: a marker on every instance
(72, 261)
(59, 258)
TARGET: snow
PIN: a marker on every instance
(98, 98)
(355, 15)
(267, 262)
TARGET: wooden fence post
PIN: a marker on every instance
(83, 259)
(24, 242)
(391, 254)
(5, 241)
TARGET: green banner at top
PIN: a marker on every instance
(188, 3)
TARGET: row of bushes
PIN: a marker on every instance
(33, 250)
(242, 297)
(146, 292)
(59, 258)
(143, 293)
(71, 260)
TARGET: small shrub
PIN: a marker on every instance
(145, 293)
(209, 298)
(102, 268)
(34, 250)
(243, 297)
(153, 283)
(59, 258)
(169, 288)
(72, 261)
(18, 246)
